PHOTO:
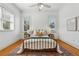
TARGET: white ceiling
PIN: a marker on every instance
(26, 7)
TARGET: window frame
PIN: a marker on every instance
(2, 17)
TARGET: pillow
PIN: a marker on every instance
(30, 31)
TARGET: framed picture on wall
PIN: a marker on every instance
(72, 24)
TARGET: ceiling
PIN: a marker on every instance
(26, 6)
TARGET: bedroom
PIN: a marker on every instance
(30, 19)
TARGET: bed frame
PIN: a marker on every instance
(40, 44)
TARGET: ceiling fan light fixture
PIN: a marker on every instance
(41, 7)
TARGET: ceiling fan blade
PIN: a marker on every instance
(48, 6)
(39, 9)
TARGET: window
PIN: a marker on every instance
(6, 20)
(26, 23)
(51, 22)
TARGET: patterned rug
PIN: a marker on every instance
(44, 52)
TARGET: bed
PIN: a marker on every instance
(39, 43)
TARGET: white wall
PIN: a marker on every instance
(68, 11)
(7, 38)
(39, 21)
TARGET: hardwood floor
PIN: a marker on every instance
(74, 51)
(66, 48)
(10, 48)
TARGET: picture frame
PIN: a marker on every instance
(72, 24)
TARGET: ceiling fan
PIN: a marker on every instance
(41, 6)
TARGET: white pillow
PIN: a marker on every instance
(30, 31)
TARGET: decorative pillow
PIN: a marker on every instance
(39, 33)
